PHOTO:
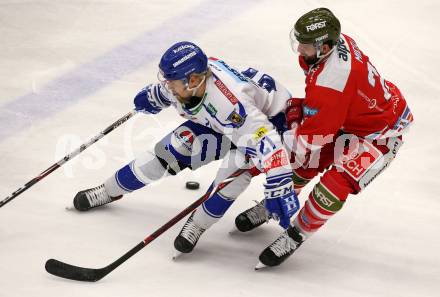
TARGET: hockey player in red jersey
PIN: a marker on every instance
(351, 127)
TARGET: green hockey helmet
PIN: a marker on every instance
(316, 27)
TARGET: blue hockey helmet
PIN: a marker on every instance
(181, 60)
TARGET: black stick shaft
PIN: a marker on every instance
(67, 158)
(64, 270)
(173, 221)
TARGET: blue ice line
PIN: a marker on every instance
(90, 77)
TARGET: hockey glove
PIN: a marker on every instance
(144, 101)
(280, 199)
(294, 112)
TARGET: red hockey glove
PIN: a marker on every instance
(294, 111)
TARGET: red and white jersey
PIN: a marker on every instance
(345, 92)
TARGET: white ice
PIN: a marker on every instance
(70, 68)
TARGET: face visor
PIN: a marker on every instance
(165, 82)
(304, 49)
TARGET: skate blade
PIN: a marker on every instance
(176, 255)
(234, 231)
(259, 266)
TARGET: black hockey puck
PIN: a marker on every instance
(192, 185)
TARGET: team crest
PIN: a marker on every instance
(236, 119)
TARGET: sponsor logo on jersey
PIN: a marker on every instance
(185, 137)
(372, 103)
(232, 71)
(343, 50)
(211, 109)
(277, 159)
(215, 67)
(357, 162)
(356, 50)
(236, 119)
(185, 58)
(334, 73)
(309, 112)
(260, 133)
(315, 26)
(224, 89)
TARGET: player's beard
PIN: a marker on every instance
(192, 102)
(189, 102)
(311, 59)
(182, 100)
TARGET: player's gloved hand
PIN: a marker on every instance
(280, 199)
(144, 102)
(294, 112)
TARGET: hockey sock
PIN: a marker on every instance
(215, 207)
(127, 179)
(135, 175)
(325, 200)
(299, 181)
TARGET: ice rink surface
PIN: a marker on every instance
(70, 68)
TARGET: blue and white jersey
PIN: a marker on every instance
(237, 105)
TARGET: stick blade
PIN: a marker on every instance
(72, 272)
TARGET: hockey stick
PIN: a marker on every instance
(68, 157)
(72, 272)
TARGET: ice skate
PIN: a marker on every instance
(284, 246)
(251, 218)
(188, 237)
(91, 198)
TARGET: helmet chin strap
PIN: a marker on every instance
(196, 88)
(321, 57)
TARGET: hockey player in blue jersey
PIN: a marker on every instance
(231, 115)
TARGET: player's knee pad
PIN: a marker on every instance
(237, 186)
(148, 167)
(191, 145)
(168, 160)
